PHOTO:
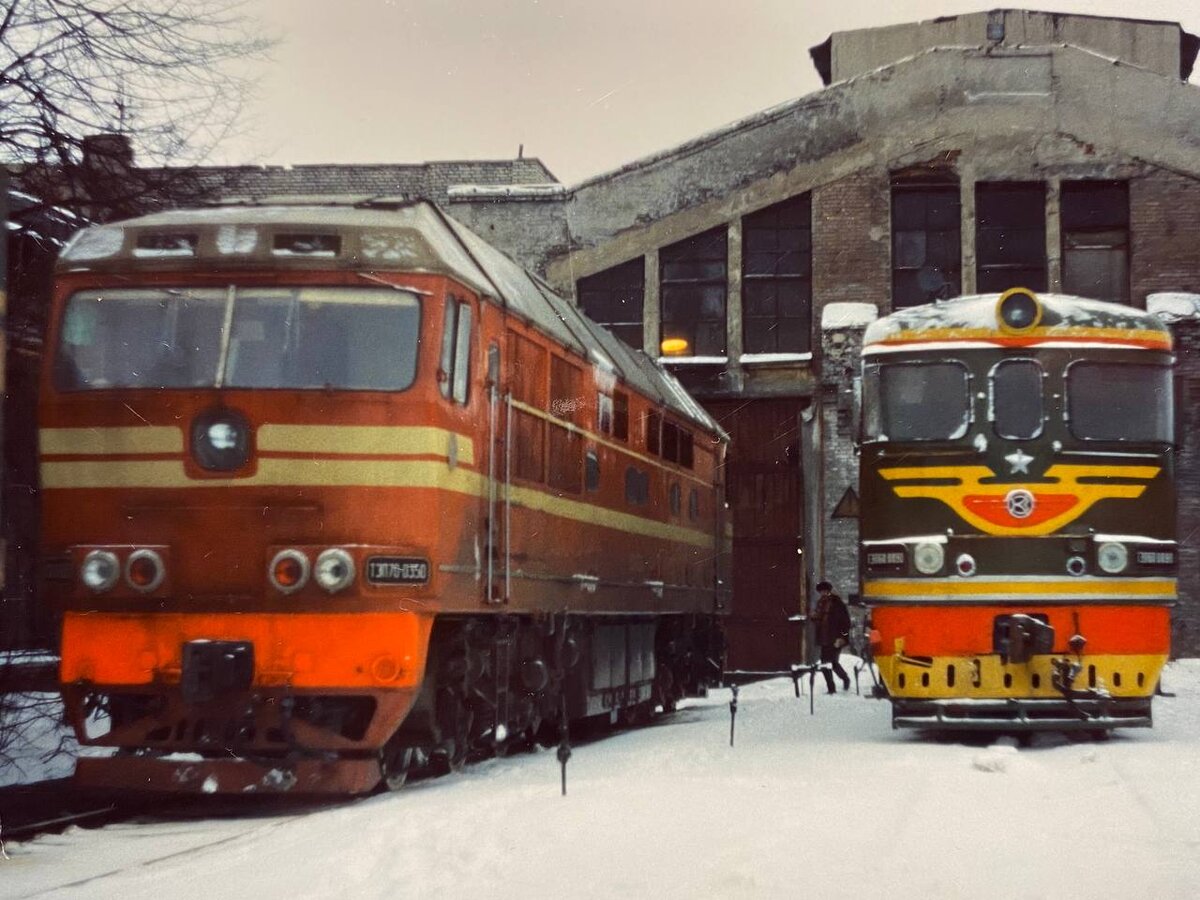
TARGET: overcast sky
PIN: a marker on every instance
(584, 85)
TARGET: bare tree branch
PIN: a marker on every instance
(158, 71)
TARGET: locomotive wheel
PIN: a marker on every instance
(396, 763)
(396, 766)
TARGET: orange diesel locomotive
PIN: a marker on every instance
(1018, 500)
(333, 492)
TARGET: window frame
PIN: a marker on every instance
(954, 284)
(1067, 402)
(691, 290)
(991, 379)
(877, 370)
(768, 221)
(985, 270)
(601, 292)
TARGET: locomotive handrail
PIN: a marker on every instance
(493, 403)
(600, 439)
(508, 433)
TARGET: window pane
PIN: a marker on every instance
(777, 267)
(1010, 240)
(363, 339)
(446, 361)
(614, 298)
(923, 402)
(1095, 205)
(1102, 274)
(926, 243)
(1017, 399)
(141, 339)
(1115, 402)
(462, 353)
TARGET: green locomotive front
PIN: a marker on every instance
(1018, 511)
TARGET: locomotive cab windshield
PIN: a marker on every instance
(240, 337)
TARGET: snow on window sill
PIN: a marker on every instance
(751, 359)
(694, 360)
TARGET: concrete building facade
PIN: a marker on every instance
(967, 153)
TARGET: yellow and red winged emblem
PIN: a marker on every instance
(1029, 508)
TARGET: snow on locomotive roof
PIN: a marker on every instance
(973, 320)
(409, 237)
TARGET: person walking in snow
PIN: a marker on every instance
(832, 620)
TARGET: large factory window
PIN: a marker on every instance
(926, 243)
(777, 277)
(614, 299)
(1010, 235)
(1095, 239)
(693, 285)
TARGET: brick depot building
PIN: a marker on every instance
(968, 153)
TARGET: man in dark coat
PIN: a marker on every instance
(832, 621)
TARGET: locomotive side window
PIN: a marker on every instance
(653, 432)
(591, 470)
(917, 402)
(455, 364)
(621, 416)
(462, 353)
(1016, 399)
(604, 413)
(1120, 402)
(637, 486)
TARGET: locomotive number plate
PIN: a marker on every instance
(397, 570)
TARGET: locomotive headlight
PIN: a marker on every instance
(100, 570)
(334, 570)
(221, 440)
(288, 571)
(1112, 557)
(144, 570)
(929, 558)
(1018, 309)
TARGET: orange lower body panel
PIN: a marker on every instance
(361, 650)
(967, 630)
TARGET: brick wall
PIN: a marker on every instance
(1164, 214)
(851, 250)
(1185, 637)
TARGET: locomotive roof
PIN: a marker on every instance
(409, 237)
(973, 321)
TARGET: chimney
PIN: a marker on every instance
(111, 153)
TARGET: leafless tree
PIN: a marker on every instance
(168, 75)
(171, 73)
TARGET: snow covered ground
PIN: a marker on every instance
(831, 805)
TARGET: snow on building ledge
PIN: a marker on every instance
(464, 193)
(848, 315)
(1172, 306)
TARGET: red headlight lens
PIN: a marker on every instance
(144, 570)
(289, 570)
